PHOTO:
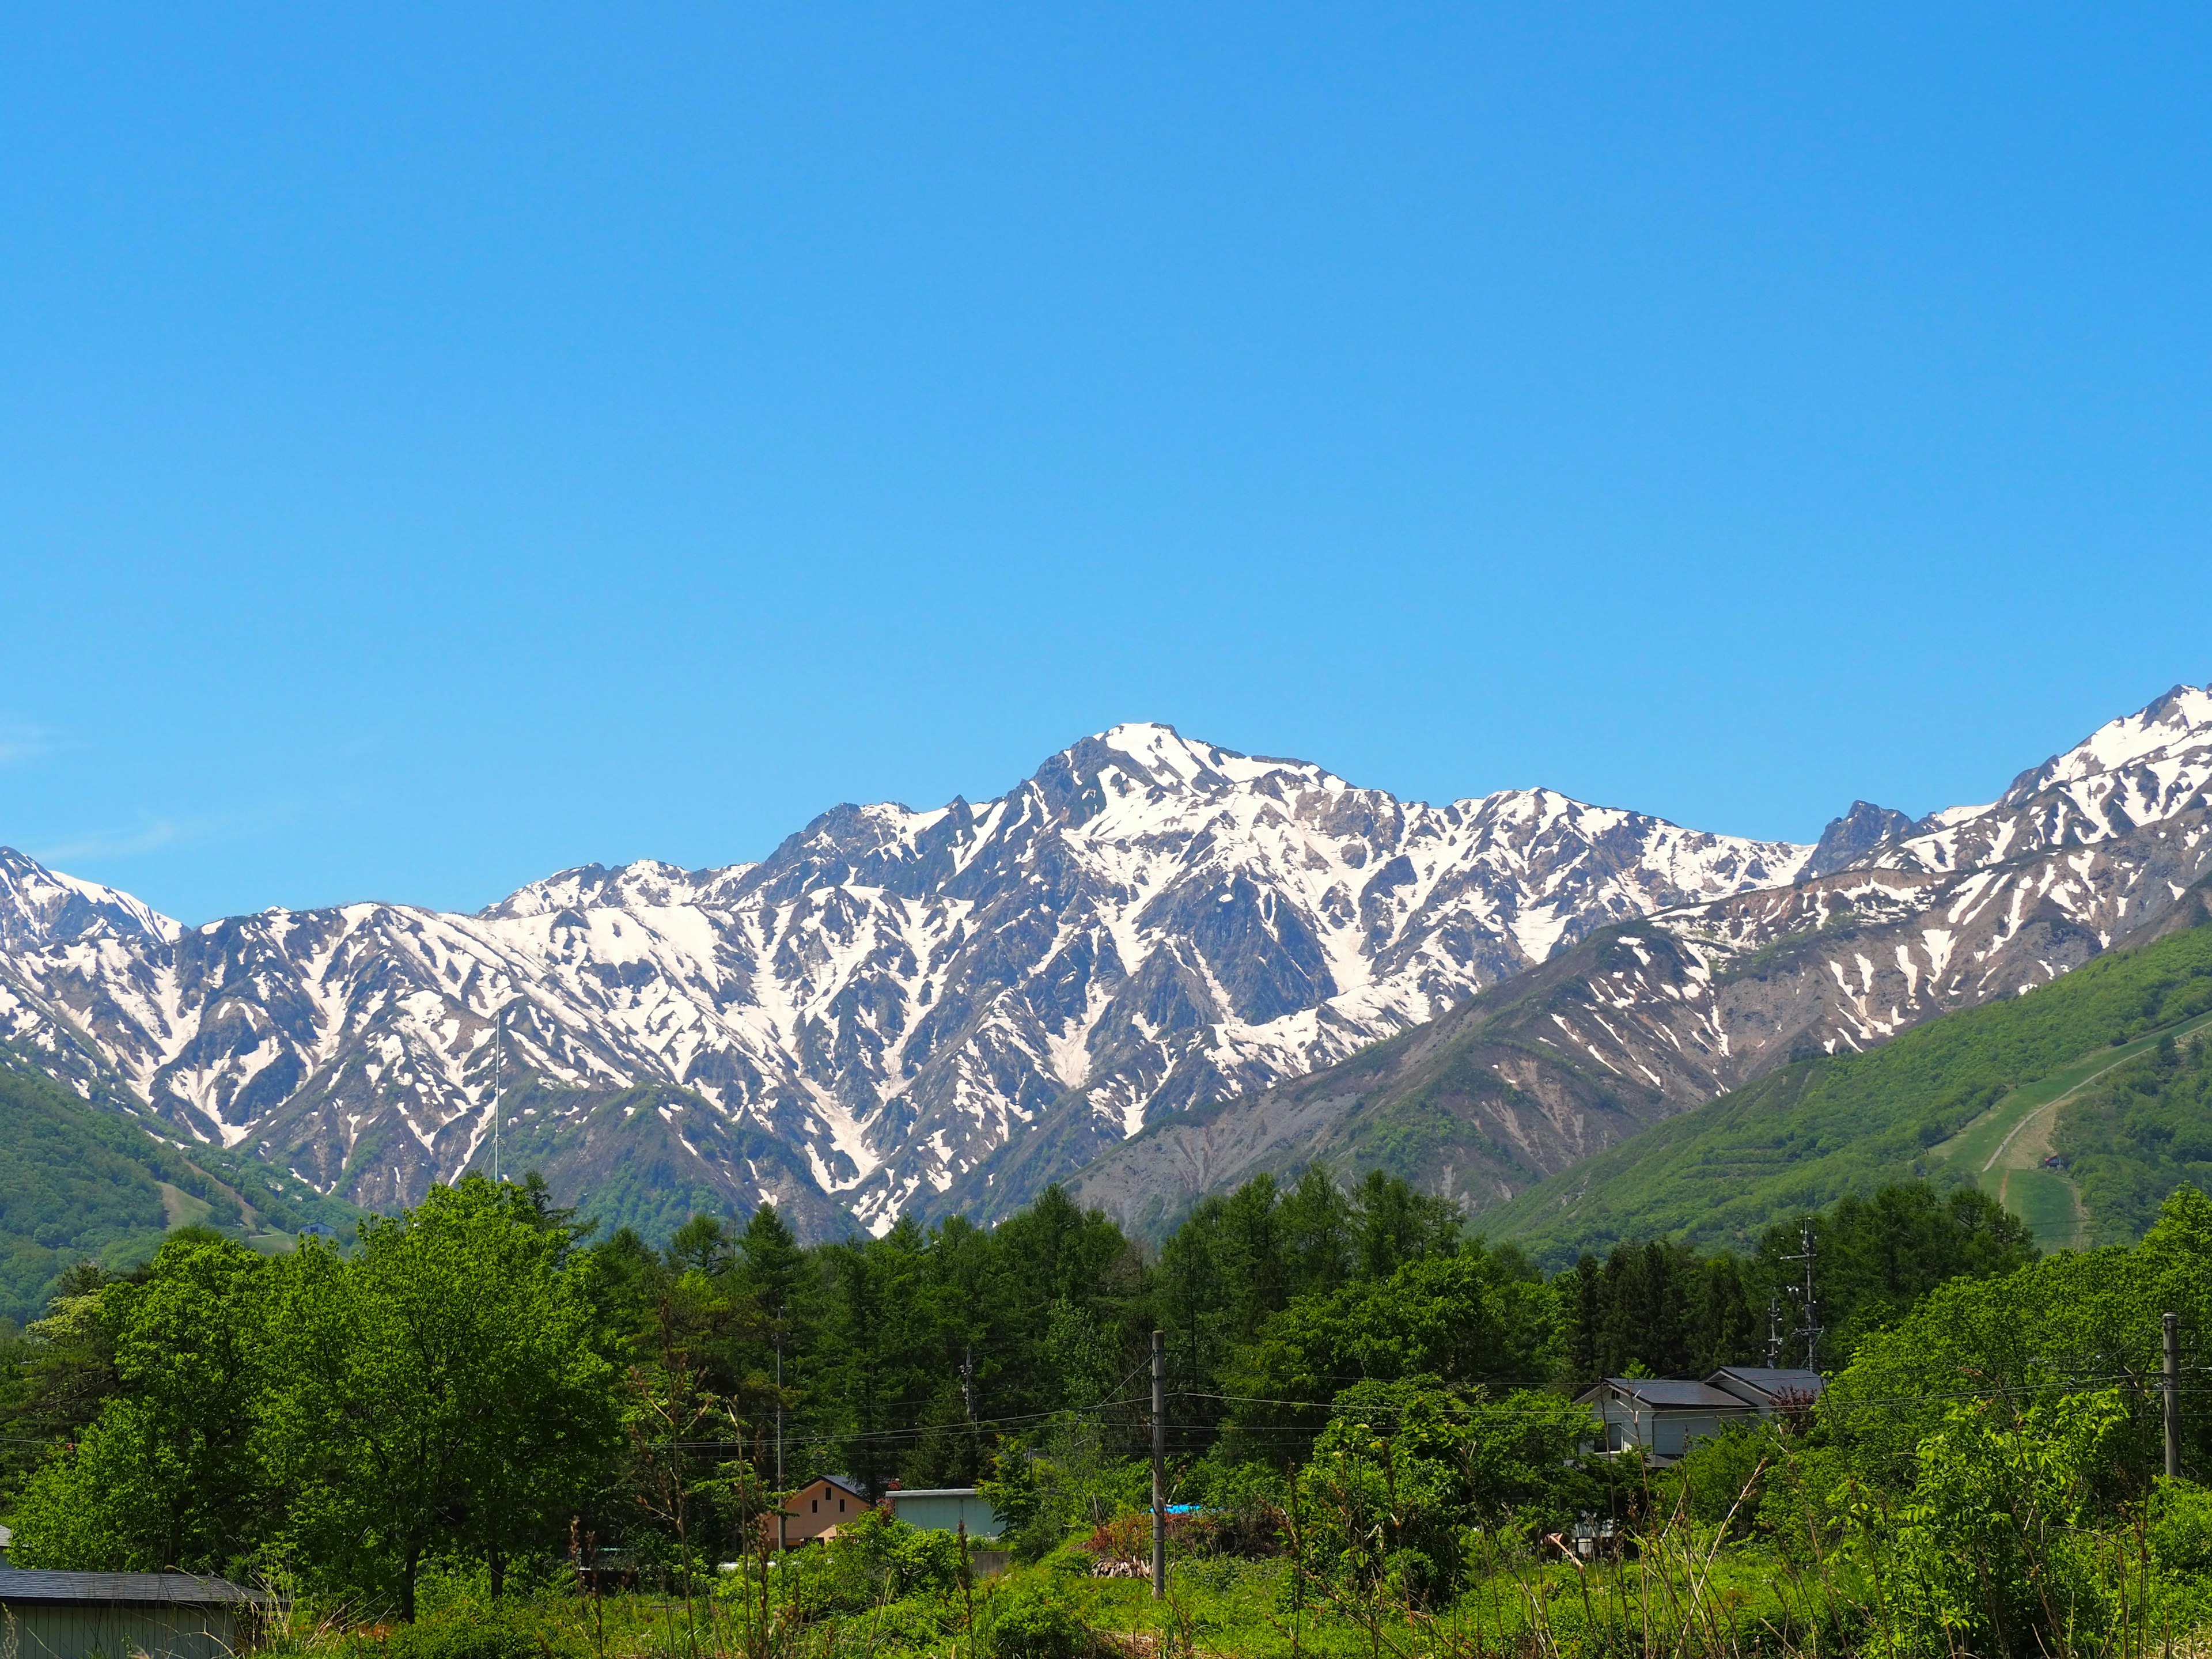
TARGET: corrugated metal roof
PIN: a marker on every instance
(140, 1588)
(897, 1493)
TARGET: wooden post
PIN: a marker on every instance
(2172, 1397)
(1159, 1465)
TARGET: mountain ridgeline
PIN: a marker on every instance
(1153, 969)
(1639, 1023)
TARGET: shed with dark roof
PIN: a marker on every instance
(1660, 1416)
(163, 1615)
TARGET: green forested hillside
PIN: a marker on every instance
(81, 1182)
(1961, 1098)
(2143, 1129)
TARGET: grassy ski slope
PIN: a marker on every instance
(1969, 1096)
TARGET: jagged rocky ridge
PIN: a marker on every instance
(1892, 922)
(876, 1018)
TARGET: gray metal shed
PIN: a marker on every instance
(163, 1615)
(943, 1508)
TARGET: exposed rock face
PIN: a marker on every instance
(895, 1010)
(1850, 838)
(2093, 848)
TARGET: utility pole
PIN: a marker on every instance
(1774, 1331)
(498, 1056)
(1809, 1328)
(1159, 1465)
(783, 1512)
(968, 1401)
(2172, 1397)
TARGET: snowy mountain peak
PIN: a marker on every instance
(1166, 757)
(1161, 759)
(2142, 769)
(41, 907)
(646, 884)
(2178, 724)
(888, 1005)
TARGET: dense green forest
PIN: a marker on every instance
(1913, 1109)
(2138, 1133)
(480, 1393)
(82, 1180)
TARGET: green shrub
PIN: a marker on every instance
(2181, 1527)
(1029, 1620)
(471, 1629)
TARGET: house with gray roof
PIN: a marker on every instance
(1660, 1416)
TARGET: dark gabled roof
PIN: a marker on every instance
(121, 1588)
(1662, 1393)
(1769, 1381)
(844, 1483)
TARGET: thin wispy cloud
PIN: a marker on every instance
(153, 834)
(24, 740)
(149, 836)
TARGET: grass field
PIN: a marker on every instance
(2005, 1147)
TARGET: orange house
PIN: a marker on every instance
(818, 1506)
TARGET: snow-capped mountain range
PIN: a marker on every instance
(1892, 922)
(891, 996)
(896, 1008)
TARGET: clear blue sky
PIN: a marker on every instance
(439, 445)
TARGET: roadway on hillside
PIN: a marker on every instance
(2005, 1147)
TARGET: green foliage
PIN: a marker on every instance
(1986, 1553)
(1661, 1307)
(168, 1475)
(1721, 1476)
(903, 1560)
(2059, 1327)
(1404, 1468)
(1028, 1621)
(85, 1181)
(1825, 1128)
(341, 1417)
(1370, 1416)
(1383, 1498)
(475, 1629)
(441, 1383)
(1239, 1261)
(1468, 1319)
(1041, 1304)
(2180, 1521)
(76, 1182)
(2136, 1133)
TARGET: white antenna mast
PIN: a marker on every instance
(498, 1054)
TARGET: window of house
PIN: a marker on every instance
(841, 1506)
(818, 1506)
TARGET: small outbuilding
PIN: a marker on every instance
(944, 1509)
(1660, 1416)
(161, 1615)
